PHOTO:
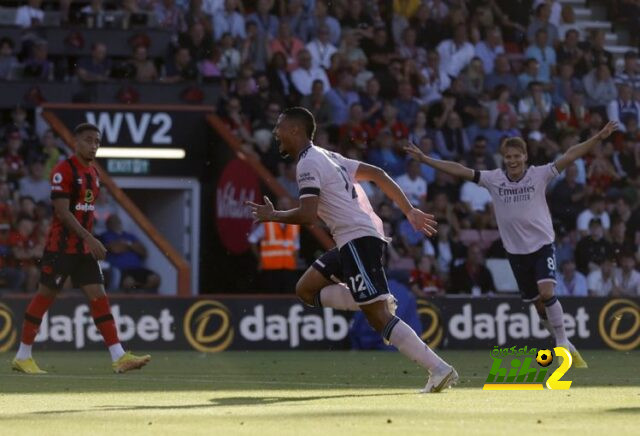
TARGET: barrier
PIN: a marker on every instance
(259, 322)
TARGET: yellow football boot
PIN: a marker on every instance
(577, 360)
(130, 361)
(27, 366)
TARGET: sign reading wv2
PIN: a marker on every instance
(123, 128)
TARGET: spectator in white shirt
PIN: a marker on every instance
(568, 22)
(30, 15)
(230, 60)
(435, 79)
(596, 210)
(474, 196)
(571, 283)
(212, 7)
(321, 48)
(304, 76)
(489, 48)
(623, 107)
(413, 185)
(229, 20)
(602, 281)
(627, 278)
(456, 53)
(36, 184)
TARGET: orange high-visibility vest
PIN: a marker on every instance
(278, 247)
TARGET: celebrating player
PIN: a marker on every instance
(72, 251)
(524, 221)
(329, 189)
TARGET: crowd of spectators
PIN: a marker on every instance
(453, 76)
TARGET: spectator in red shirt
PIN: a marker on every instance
(26, 251)
(12, 157)
(287, 44)
(10, 277)
(355, 131)
(424, 280)
(390, 121)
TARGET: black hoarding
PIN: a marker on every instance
(263, 323)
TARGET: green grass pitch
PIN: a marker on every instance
(308, 393)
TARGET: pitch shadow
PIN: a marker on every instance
(218, 402)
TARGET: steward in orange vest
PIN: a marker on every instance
(279, 245)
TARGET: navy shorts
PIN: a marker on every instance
(362, 269)
(82, 268)
(531, 269)
(329, 265)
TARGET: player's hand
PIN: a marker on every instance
(261, 212)
(608, 129)
(98, 251)
(422, 222)
(413, 151)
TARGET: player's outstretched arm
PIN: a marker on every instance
(61, 209)
(420, 221)
(453, 168)
(305, 214)
(579, 150)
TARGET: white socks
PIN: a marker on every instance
(553, 308)
(401, 336)
(116, 351)
(337, 296)
(24, 352)
(547, 325)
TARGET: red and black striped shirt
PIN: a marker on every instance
(71, 179)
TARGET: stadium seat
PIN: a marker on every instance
(502, 275)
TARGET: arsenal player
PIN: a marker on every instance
(72, 251)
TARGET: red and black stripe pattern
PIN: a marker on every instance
(80, 184)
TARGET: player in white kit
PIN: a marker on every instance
(329, 189)
(524, 221)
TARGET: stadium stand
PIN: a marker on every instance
(551, 71)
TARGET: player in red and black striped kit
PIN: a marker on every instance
(72, 251)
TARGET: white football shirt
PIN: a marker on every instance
(342, 204)
(521, 209)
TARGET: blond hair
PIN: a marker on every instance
(513, 142)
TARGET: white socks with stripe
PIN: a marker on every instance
(554, 312)
(336, 296)
(401, 336)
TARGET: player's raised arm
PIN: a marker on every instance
(61, 210)
(579, 150)
(452, 168)
(305, 214)
(420, 221)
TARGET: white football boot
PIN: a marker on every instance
(442, 378)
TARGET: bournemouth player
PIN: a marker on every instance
(72, 251)
(524, 221)
(328, 186)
